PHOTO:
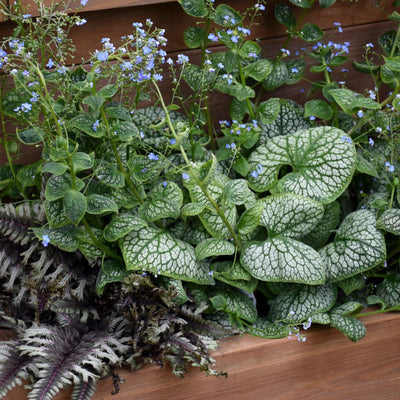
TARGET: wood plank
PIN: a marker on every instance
(327, 366)
(116, 22)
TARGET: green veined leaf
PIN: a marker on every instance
(58, 185)
(111, 271)
(282, 259)
(269, 330)
(389, 221)
(74, 205)
(176, 285)
(358, 247)
(94, 102)
(289, 120)
(290, 215)
(157, 251)
(55, 213)
(87, 124)
(108, 173)
(277, 77)
(194, 37)
(31, 135)
(195, 8)
(301, 3)
(98, 204)
(222, 12)
(250, 219)
(268, 110)
(318, 236)
(82, 161)
(125, 131)
(190, 209)
(118, 113)
(326, 3)
(389, 290)
(164, 201)
(121, 225)
(213, 247)
(237, 191)
(364, 166)
(352, 327)
(284, 14)
(351, 102)
(64, 238)
(258, 70)
(55, 168)
(233, 302)
(323, 163)
(108, 91)
(352, 284)
(319, 109)
(298, 302)
(311, 32)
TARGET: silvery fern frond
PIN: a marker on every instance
(84, 390)
(13, 366)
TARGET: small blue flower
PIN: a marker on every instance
(346, 139)
(294, 70)
(371, 141)
(81, 22)
(153, 157)
(211, 273)
(378, 129)
(96, 125)
(360, 113)
(26, 16)
(369, 45)
(212, 37)
(312, 118)
(46, 240)
(182, 59)
(102, 55)
(172, 141)
(235, 39)
(165, 184)
(254, 174)
(389, 166)
(84, 2)
(50, 64)
(185, 176)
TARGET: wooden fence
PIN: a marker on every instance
(362, 22)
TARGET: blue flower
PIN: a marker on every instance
(84, 2)
(185, 176)
(294, 70)
(212, 37)
(81, 22)
(62, 70)
(172, 141)
(312, 118)
(254, 174)
(46, 240)
(235, 39)
(389, 166)
(371, 141)
(102, 55)
(360, 113)
(153, 157)
(50, 63)
(182, 59)
(96, 125)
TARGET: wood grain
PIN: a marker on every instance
(327, 366)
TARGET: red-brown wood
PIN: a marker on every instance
(327, 366)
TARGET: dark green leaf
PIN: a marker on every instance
(74, 205)
(284, 14)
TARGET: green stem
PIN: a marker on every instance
(381, 311)
(7, 150)
(188, 163)
(100, 244)
(243, 81)
(395, 43)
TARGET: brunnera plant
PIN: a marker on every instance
(279, 216)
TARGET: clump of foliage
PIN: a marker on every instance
(144, 233)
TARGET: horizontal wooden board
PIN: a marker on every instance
(327, 366)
